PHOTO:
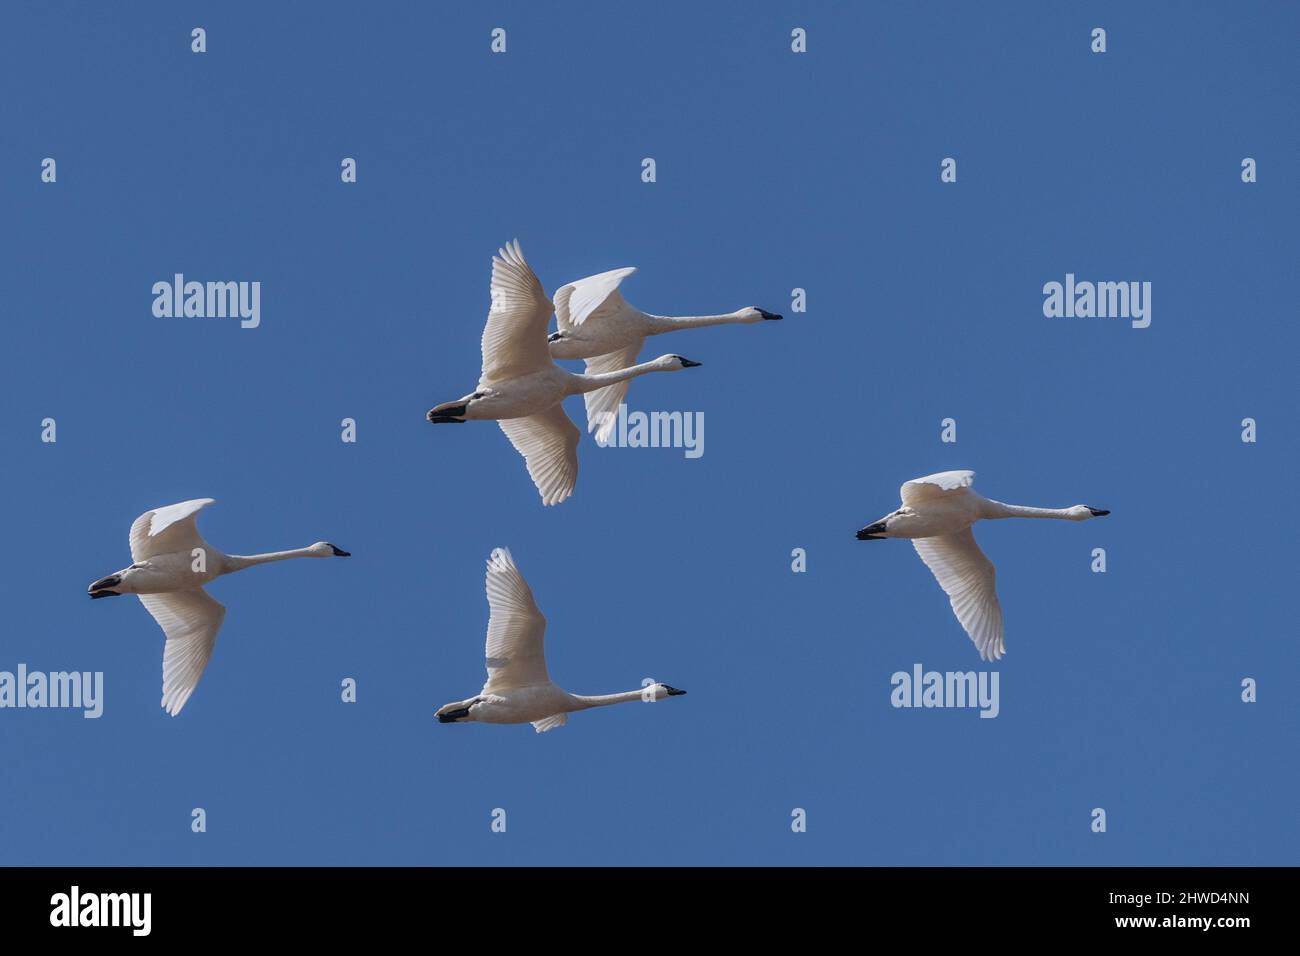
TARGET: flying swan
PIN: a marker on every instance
(518, 688)
(937, 514)
(594, 322)
(522, 388)
(166, 549)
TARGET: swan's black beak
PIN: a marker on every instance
(1098, 512)
(770, 316)
(872, 532)
(101, 587)
(446, 716)
(340, 553)
(112, 581)
(674, 692)
(449, 411)
(687, 363)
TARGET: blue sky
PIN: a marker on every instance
(775, 171)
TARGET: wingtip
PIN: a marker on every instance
(601, 427)
(556, 498)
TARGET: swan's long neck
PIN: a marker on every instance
(670, 323)
(600, 700)
(998, 509)
(237, 562)
(589, 383)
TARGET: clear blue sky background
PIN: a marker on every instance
(775, 171)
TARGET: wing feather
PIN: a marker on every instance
(550, 723)
(970, 581)
(190, 619)
(514, 339)
(602, 404)
(168, 529)
(591, 297)
(549, 443)
(515, 653)
(934, 486)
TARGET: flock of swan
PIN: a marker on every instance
(522, 388)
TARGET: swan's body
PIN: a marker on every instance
(937, 514)
(170, 564)
(594, 322)
(522, 388)
(519, 689)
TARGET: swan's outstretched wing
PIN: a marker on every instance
(168, 529)
(969, 580)
(934, 486)
(602, 404)
(514, 339)
(550, 723)
(515, 655)
(591, 297)
(190, 619)
(549, 443)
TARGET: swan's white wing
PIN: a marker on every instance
(550, 723)
(514, 339)
(602, 404)
(934, 486)
(969, 580)
(579, 301)
(168, 529)
(190, 619)
(549, 443)
(515, 654)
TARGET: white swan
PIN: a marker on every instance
(170, 564)
(594, 322)
(519, 689)
(522, 388)
(937, 514)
